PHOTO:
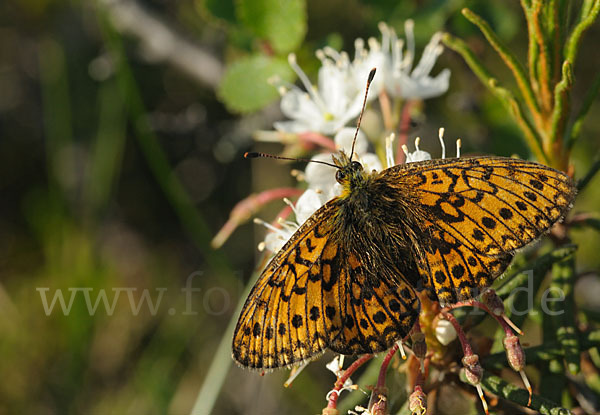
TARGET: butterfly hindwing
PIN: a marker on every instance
(380, 307)
(454, 270)
(476, 213)
(317, 294)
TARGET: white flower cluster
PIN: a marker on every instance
(338, 96)
(337, 99)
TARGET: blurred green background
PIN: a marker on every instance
(122, 131)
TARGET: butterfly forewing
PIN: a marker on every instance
(476, 213)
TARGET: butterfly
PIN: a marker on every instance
(347, 279)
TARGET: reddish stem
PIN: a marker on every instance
(474, 303)
(420, 380)
(339, 384)
(403, 131)
(580, 218)
(384, 365)
(248, 207)
(318, 139)
(386, 111)
(467, 350)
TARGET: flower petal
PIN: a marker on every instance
(343, 141)
(418, 155)
(319, 176)
(421, 88)
(274, 241)
(307, 204)
(371, 162)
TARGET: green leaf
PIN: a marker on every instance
(281, 22)
(245, 85)
(220, 9)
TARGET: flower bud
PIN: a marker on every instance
(473, 370)
(378, 403)
(417, 402)
(514, 353)
(419, 347)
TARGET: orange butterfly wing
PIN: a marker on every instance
(316, 294)
(346, 279)
(475, 213)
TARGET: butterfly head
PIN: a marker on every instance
(350, 173)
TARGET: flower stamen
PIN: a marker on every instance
(389, 150)
(294, 373)
(441, 137)
(401, 349)
(312, 91)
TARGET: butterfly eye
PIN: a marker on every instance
(357, 166)
(340, 175)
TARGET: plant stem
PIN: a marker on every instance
(384, 365)
(539, 266)
(572, 46)
(563, 281)
(339, 384)
(554, 33)
(504, 95)
(221, 361)
(544, 352)
(510, 60)
(589, 175)
(403, 131)
(368, 377)
(532, 48)
(543, 64)
(562, 106)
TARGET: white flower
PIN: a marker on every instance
(326, 108)
(420, 155)
(338, 96)
(336, 365)
(307, 204)
(364, 61)
(417, 155)
(276, 239)
(401, 80)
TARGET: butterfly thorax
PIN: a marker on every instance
(375, 216)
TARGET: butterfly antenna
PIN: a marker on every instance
(369, 80)
(253, 155)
